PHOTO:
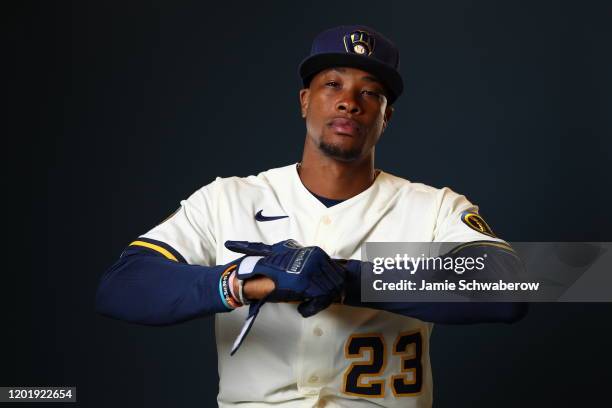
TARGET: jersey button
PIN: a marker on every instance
(326, 220)
(313, 379)
(318, 332)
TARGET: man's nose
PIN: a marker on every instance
(348, 103)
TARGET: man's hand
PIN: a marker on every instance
(299, 273)
(255, 288)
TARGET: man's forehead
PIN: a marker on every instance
(364, 75)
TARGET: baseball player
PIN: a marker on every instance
(281, 252)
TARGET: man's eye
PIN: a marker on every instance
(333, 84)
(370, 93)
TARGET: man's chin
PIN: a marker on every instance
(339, 152)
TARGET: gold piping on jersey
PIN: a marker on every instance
(154, 247)
(500, 245)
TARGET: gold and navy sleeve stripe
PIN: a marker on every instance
(157, 247)
(500, 245)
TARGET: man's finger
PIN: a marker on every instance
(314, 305)
(249, 248)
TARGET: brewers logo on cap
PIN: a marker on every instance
(359, 42)
(477, 223)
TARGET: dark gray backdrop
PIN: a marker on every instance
(121, 109)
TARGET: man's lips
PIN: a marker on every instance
(345, 126)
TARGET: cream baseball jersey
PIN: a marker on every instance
(343, 356)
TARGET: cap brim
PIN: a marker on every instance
(387, 75)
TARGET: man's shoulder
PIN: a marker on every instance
(404, 185)
(264, 179)
(404, 190)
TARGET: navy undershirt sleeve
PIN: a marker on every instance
(500, 263)
(142, 287)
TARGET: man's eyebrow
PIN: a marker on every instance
(368, 78)
(371, 79)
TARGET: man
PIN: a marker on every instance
(211, 256)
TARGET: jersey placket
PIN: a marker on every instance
(317, 352)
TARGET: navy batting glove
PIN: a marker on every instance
(351, 288)
(352, 284)
(313, 306)
(299, 273)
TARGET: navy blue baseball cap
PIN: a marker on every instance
(355, 46)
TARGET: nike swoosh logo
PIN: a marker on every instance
(260, 217)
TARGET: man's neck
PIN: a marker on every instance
(338, 180)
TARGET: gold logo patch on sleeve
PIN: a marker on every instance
(477, 223)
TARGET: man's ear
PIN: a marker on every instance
(388, 113)
(304, 101)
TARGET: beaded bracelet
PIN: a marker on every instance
(224, 289)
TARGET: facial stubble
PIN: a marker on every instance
(338, 153)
